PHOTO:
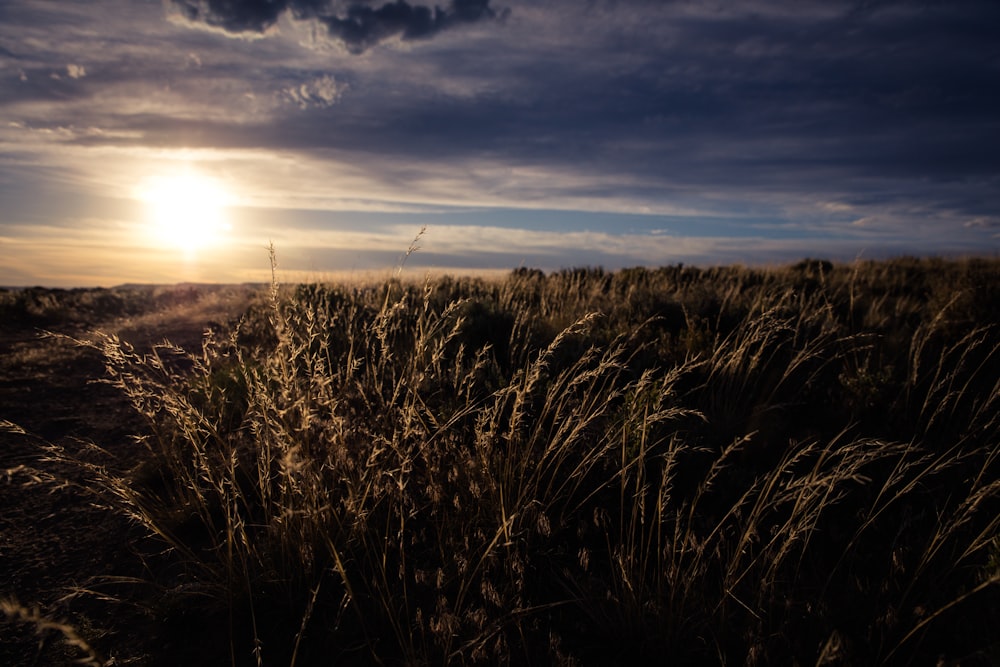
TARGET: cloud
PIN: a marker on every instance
(235, 17)
(983, 223)
(364, 26)
(815, 122)
(358, 24)
(7, 53)
(321, 92)
(76, 71)
(446, 247)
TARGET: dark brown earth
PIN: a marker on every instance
(54, 543)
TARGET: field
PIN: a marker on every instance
(796, 465)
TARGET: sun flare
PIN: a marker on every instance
(186, 210)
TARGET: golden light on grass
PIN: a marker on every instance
(186, 209)
(785, 465)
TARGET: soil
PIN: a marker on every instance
(60, 555)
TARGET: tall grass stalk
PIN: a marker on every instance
(576, 467)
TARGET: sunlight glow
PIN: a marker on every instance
(186, 209)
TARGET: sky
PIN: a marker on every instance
(164, 141)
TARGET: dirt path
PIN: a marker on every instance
(52, 539)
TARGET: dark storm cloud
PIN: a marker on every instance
(364, 26)
(238, 16)
(359, 25)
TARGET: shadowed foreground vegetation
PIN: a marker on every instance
(787, 466)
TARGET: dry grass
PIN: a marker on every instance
(728, 466)
(45, 627)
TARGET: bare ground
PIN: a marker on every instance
(54, 543)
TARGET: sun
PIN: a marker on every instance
(186, 210)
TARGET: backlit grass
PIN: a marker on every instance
(737, 466)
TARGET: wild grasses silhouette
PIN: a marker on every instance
(725, 465)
